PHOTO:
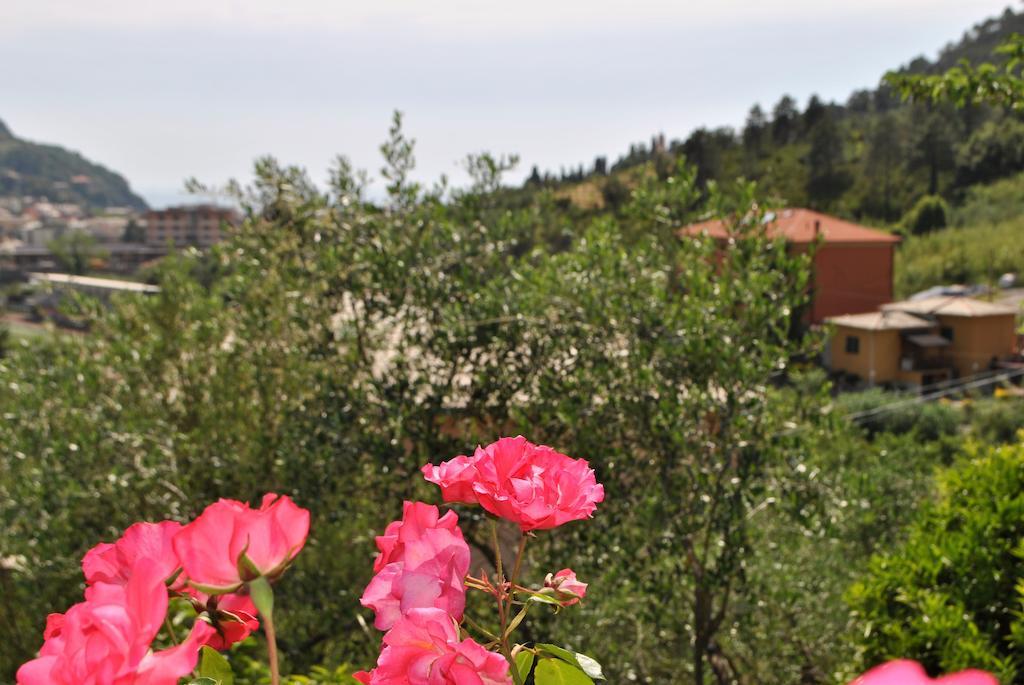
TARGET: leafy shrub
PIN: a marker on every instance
(990, 204)
(993, 151)
(950, 596)
(998, 420)
(931, 212)
(900, 413)
(974, 254)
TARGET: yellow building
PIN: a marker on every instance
(980, 333)
(921, 342)
(887, 347)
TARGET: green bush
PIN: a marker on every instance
(929, 213)
(975, 254)
(900, 413)
(998, 420)
(950, 596)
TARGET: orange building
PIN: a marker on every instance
(197, 226)
(920, 342)
(853, 265)
(980, 333)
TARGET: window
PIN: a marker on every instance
(852, 344)
(947, 333)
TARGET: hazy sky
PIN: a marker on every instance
(163, 90)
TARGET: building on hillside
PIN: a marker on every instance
(981, 334)
(196, 225)
(888, 347)
(853, 265)
(921, 342)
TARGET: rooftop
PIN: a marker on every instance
(803, 226)
(950, 305)
(887, 320)
(91, 282)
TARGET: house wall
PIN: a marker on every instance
(977, 339)
(850, 279)
(879, 350)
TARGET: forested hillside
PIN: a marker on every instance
(50, 171)
(871, 158)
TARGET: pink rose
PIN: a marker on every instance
(422, 563)
(423, 648)
(113, 562)
(231, 544)
(232, 616)
(105, 640)
(906, 672)
(533, 485)
(567, 589)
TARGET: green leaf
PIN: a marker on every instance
(202, 681)
(524, 662)
(214, 666)
(559, 653)
(558, 672)
(588, 665)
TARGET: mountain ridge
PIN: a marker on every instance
(58, 174)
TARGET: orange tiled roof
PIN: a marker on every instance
(799, 226)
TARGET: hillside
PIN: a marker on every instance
(51, 171)
(871, 158)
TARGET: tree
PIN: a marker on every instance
(76, 251)
(993, 151)
(534, 179)
(884, 157)
(784, 120)
(827, 178)
(754, 134)
(932, 146)
(133, 232)
(815, 112)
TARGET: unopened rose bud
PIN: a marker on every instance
(568, 590)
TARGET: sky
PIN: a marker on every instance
(163, 91)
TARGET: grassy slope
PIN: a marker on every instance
(985, 241)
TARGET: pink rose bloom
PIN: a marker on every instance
(533, 485)
(906, 672)
(422, 563)
(230, 544)
(232, 617)
(113, 562)
(423, 648)
(568, 590)
(105, 640)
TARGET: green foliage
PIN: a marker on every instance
(994, 151)
(993, 203)
(930, 213)
(951, 595)
(998, 420)
(976, 254)
(899, 413)
(77, 251)
(330, 348)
